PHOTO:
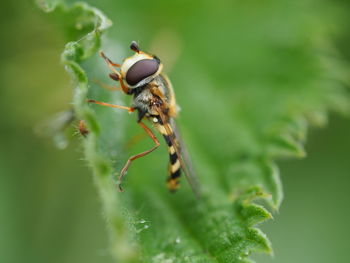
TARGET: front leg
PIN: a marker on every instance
(116, 74)
(129, 109)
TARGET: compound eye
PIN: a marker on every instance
(141, 70)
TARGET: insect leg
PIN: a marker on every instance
(132, 158)
(106, 86)
(109, 62)
(129, 109)
(116, 74)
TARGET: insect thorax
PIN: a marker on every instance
(143, 97)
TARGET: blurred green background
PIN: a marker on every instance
(49, 209)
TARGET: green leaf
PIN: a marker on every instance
(248, 91)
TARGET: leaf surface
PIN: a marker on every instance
(247, 98)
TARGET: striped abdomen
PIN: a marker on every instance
(174, 164)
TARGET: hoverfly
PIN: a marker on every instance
(153, 99)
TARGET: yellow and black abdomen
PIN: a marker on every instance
(174, 162)
(168, 108)
(174, 165)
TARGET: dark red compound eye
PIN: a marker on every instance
(141, 70)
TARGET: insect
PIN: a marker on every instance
(153, 99)
(82, 128)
